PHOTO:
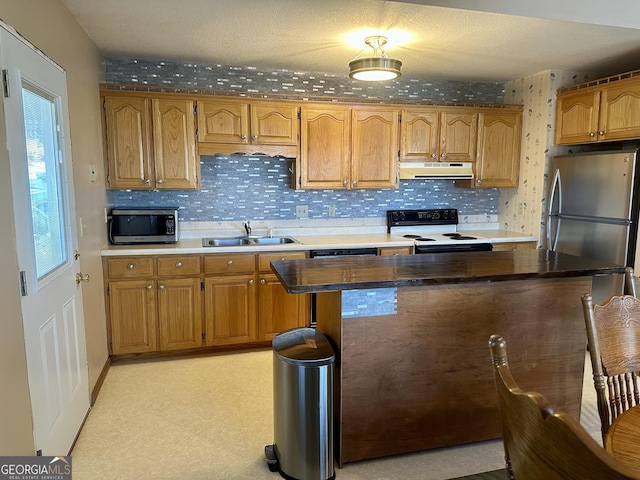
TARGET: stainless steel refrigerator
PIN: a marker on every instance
(593, 211)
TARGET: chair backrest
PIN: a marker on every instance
(542, 444)
(613, 334)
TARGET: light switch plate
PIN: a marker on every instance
(302, 211)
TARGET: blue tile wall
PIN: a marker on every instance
(257, 188)
(242, 187)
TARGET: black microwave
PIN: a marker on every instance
(143, 225)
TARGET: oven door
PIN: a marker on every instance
(459, 247)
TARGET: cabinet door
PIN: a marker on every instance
(223, 122)
(179, 313)
(325, 147)
(577, 117)
(458, 135)
(132, 310)
(419, 136)
(374, 155)
(277, 310)
(230, 309)
(498, 161)
(128, 142)
(176, 164)
(620, 111)
(274, 124)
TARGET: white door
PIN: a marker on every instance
(36, 115)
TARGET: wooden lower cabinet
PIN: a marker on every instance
(230, 309)
(395, 251)
(180, 313)
(132, 311)
(278, 310)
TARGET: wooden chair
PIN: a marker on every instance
(613, 334)
(541, 444)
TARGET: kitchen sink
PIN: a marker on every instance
(241, 241)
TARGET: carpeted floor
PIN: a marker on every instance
(209, 417)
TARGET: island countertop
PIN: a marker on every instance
(353, 272)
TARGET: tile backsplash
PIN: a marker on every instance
(256, 187)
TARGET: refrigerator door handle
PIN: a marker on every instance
(556, 189)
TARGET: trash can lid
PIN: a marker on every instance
(306, 347)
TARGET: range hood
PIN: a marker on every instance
(440, 170)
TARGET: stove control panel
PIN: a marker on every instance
(432, 216)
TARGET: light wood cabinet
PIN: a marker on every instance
(511, 246)
(277, 310)
(348, 148)
(230, 299)
(150, 143)
(602, 113)
(233, 127)
(435, 135)
(395, 251)
(498, 160)
(150, 312)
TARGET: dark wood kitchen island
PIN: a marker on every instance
(413, 370)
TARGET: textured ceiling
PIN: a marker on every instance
(323, 36)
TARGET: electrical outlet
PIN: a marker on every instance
(302, 211)
(332, 210)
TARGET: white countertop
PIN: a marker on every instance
(307, 242)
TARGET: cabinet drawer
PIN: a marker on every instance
(224, 264)
(130, 267)
(265, 259)
(179, 265)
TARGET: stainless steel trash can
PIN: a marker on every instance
(303, 369)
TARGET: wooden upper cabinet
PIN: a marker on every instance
(433, 135)
(499, 137)
(458, 136)
(229, 127)
(150, 143)
(374, 154)
(419, 136)
(177, 166)
(602, 113)
(577, 117)
(274, 124)
(129, 143)
(325, 147)
(223, 122)
(620, 111)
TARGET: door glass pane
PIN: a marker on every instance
(47, 213)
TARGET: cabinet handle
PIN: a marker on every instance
(601, 132)
(149, 287)
(230, 262)
(255, 137)
(251, 282)
(355, 183)
(345, 183)
(159, 181)
(479, 182)
(178, 264)
(243, 137)
(130, 266)
(434, 155)
(444, 155)
(161, 287)
(147, 181)
(591, 134)
(262, 282)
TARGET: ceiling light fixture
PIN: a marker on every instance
(376, 68)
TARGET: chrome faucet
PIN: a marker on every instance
(247, 228)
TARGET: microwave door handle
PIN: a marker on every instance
(110, 228)
(556, 190)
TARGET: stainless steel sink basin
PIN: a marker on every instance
(241, 241)
(225, 242)
(274, 240)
